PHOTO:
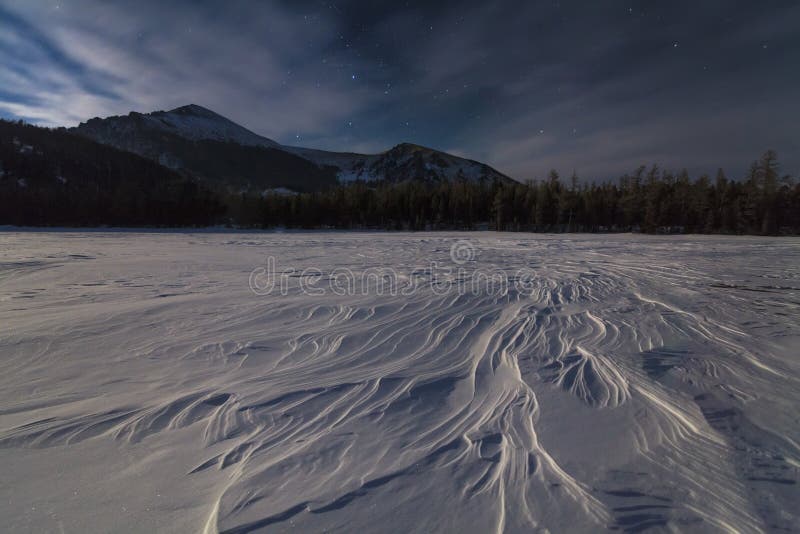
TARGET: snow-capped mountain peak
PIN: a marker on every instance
(191, 122)
(194, 109)
(401, 162)
(197, 122)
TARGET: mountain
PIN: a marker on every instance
(404, 161)
(190, 122)
(213, 148)
(209, 147)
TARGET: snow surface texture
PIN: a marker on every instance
(643, 382)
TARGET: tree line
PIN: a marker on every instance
(53, 177)
(649, 200)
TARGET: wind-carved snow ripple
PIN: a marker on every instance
(589, 378)
(132, 425)
(390, 409)
(437, 412)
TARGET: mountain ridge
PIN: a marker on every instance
(193, 122)
(174, 138)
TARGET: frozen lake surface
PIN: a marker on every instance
(616, 382)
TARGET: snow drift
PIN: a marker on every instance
(643, 382)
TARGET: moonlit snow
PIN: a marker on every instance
(629, 383)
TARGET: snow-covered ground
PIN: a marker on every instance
(629, 382)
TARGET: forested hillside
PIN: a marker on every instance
(51, 177)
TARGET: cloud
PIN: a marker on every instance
(99, 59)
(527, 86)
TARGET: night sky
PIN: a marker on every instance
(598, 87)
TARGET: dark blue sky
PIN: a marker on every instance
(597, 86)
